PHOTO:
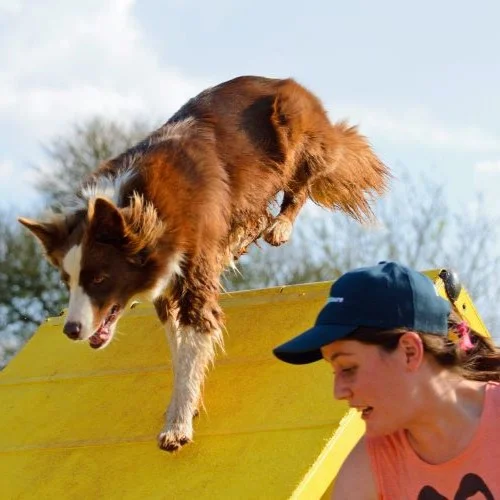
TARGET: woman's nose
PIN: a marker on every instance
(341, 390)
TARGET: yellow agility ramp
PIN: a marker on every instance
(80, 424)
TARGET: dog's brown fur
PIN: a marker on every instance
(200, 188)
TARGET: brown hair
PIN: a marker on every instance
(480, 362)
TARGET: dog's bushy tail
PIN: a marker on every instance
(342, 170)
(351, 175)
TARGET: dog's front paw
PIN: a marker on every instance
(279, 231)
(175, 437)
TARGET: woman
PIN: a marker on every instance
(426, 385)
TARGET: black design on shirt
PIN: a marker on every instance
(469, 486)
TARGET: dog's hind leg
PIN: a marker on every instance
(280, 229)
(332, 164)
(245, 231)
(291, 110)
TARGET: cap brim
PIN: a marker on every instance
(305, 348)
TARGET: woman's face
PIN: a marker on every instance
(376, 383)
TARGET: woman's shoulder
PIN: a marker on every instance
(355, 479)
(493, 395)
(494, 386)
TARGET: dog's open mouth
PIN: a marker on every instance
(103, 333)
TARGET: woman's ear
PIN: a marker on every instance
(412, 350)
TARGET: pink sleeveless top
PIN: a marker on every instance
(401, 475)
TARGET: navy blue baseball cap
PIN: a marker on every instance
(388, 295)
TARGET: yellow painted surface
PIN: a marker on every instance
(80, 424)
(464, 305)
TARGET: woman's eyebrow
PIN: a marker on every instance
(335, 355)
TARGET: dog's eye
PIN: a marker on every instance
(97, 280)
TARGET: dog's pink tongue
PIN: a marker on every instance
(99, 337)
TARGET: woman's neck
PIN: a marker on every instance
(450, 413)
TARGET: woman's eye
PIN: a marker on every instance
(348, 371)
(345, 371)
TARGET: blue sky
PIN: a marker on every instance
(421, 79)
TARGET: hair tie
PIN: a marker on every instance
(464, 340)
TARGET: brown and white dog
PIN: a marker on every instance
(165, 218)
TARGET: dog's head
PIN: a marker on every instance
(106, 256)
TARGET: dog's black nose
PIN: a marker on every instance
(72, 329)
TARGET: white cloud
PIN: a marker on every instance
(486, 185)
(417, 126)
(10, 6)
(6, 170)
(16, 188)
(487, 167)
(64, 62)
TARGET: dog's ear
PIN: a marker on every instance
(144, 229)
(50, 234)
(106, 224)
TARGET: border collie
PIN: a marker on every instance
(164, 219)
